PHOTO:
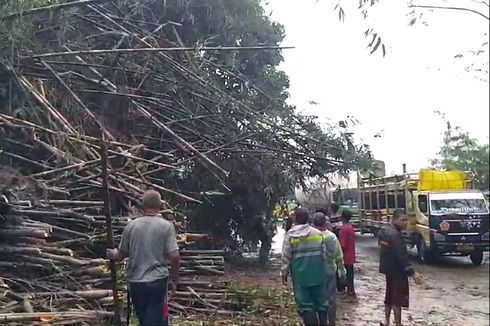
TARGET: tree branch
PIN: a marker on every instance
(482, 2)
(452, 8)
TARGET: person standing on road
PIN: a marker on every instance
(396, 267)
(323, 212)
(334, 264)
(150, 244)
(347, 238)
(303, 256)
(335, 218)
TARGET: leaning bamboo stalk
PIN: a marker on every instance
(22, 158)
(161, 188)
(110, 236)
(44, 102)
(65, 168)
(79, 101)
(170, 49)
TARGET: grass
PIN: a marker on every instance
(258, 290)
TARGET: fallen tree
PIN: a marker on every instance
(186, 98)
(204, 124)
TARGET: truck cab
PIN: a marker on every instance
(450, 223)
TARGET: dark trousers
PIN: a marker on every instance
(349, 280)
(148, 299)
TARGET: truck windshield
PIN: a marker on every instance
(458, 206)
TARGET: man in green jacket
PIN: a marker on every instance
(303, 257)
(334, 264)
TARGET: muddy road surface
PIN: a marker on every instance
(455, 291)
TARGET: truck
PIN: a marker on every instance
(348, 198)
(446, 214)
(320, 196)
(317, 196)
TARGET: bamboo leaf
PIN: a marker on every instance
(377, 45)
(374, 38)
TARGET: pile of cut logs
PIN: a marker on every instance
(51, 270)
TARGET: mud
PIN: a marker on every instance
(455, 291)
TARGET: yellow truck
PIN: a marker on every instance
(447, 216)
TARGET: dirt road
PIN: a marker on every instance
(456, 292)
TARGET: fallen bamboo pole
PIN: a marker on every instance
(173, 49)
(110, 236)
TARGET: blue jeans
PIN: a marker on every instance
(148, 299)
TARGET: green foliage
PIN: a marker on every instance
(460, 151)
(257, 180)
(230, 105)
(20, 30)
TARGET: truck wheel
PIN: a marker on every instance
(424, 255)
(476, 257)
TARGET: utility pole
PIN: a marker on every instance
(110, 235)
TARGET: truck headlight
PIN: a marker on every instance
(439, 236)
(486, 236)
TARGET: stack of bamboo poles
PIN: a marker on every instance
(93, 74)
(51, 268)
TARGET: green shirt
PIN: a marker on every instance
(334, 261)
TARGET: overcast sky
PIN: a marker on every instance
(396, 94)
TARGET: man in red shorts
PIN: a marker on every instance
(395, 265)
